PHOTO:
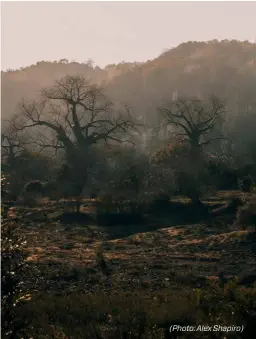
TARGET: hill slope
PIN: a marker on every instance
(27, 82)
(226, 68)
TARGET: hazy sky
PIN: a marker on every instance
(110, 32)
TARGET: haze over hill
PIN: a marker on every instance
(105, 32)
(226, 69)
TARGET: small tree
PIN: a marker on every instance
(190, 175)
(134, 176)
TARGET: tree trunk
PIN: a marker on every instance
(78, 206)
(196, 200)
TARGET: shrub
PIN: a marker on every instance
(246, 214)
(12, 284)
(105, 203)
(32, 193)
(161, 202)
(51, 190)
(138, 315)
(30, 199)
(222, 172)
(246, 184)
(34, 186)
(190, 175)
(117, 219)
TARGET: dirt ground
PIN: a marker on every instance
(150, 256)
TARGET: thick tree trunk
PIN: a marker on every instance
(196, 200)
(78, 206)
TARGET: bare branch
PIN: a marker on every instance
(77, 113)
(194, 118)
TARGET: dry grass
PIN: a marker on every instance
(152, 256)
(153, 275)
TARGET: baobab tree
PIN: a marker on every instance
(195, 124)
(73, 116)
(194, 120)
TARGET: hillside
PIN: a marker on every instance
(28, 81)
(226, 68)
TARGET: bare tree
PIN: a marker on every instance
(194, 120)
(78, 114)
(73, 116)
(197, 123)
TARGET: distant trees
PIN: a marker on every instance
(11, 145)
(242, 132)
(20, 162)
(64, 61)
(89, 63)
(27, 166)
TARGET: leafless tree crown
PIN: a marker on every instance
(194, 120)
(74, 114)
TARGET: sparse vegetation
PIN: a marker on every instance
(13, 287)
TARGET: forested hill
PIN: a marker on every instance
(226, 69)
(28, 81)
